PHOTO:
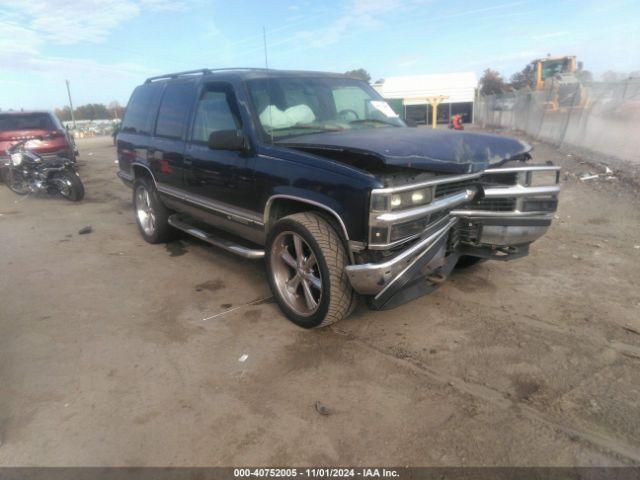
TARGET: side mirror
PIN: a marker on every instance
(227, 140)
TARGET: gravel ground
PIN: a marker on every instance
(117, 352)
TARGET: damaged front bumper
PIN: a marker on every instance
(477, 229)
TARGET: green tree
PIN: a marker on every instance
(360, 74)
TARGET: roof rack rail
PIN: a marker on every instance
(201, 71)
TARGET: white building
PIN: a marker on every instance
(408, 94)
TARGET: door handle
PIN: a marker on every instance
(187, 161)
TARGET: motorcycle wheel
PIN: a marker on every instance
(16, 181)
(69, 185)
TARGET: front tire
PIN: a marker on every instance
(69, 186)
(152, 216)
(306, 262)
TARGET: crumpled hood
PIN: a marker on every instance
(445, 151)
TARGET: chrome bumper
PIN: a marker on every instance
(497, 231)
(374, 278)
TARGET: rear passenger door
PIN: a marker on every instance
(166, 152)
(223, 177)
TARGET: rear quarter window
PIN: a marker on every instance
(174, 109)
(139, 114)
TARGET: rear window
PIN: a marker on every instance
(175, 106)
(26, 121)
(138, 117)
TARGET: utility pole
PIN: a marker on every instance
(73, 118)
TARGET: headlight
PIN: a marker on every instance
(543, 178)
(401, 200)
(16, 159)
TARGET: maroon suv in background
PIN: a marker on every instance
(50, 138)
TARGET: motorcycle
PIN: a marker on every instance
(28, 172)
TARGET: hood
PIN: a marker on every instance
(444, 151)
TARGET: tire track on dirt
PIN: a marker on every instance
(497, 398)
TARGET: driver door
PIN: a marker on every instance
(218, 179)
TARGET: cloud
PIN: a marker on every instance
(89, 21)
(357, 15)
(40, 23)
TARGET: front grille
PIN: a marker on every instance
(494, 204)
(446, 189)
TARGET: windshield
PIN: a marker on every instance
(26, 121)
(288, 107)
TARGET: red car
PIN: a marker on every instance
(50, 138)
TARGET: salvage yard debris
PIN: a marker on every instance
(321, 409)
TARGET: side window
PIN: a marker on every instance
(137, 118)
(174, 109)
(217, 110)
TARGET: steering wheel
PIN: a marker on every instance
(346, 111)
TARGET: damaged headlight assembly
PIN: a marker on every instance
(393, 202)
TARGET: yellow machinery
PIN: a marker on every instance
(557, 76)
(551, 67)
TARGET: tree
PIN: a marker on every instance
(360, 74)
(92, 111)
(491, 83)
(523, 78)
(116, 111)
(64, 114)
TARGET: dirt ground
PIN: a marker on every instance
(116, 352)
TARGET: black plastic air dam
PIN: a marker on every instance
(413, 282)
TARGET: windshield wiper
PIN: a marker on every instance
(372, 120)
(301, 126)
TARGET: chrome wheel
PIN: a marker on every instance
(296, 273)
(144, 211)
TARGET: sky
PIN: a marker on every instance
(107, 47)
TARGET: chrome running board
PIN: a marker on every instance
(181, 223)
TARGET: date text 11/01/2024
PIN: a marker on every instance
(315, 472)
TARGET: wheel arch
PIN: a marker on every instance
(281, 205)
(140, 171)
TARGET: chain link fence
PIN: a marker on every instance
(599, 116)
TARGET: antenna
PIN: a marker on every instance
(266, 67)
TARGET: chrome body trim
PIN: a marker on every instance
(428, 183)
(241, 250)
(414, 213)
(518, 191)
(137, 164)
(531, 168)
(232, 213)
(507, 235)
(503, 215)
(125, 177)
(267, 210)
(375, 278)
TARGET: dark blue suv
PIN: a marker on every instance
(318, 175)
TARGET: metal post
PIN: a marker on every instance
(73, 118)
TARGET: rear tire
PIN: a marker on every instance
(15, 181)
(306, 262)
(152, 216)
